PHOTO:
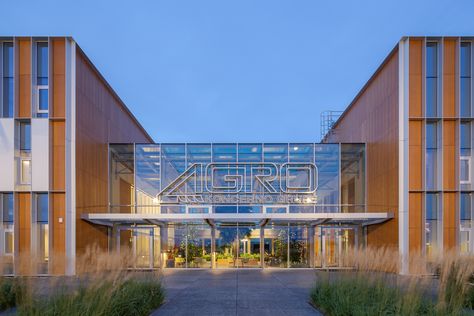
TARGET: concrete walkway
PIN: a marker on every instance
(237, 292)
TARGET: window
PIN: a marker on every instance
(431, 79)
(42, 232)
(25, 152)
(7, 84)
(465, 80)
(6, 232)
(465, 170)
(431, 155)
(42, 80)
(25, 171)
(25, 136)
(433, 228)
(465, 157)
(465, 221)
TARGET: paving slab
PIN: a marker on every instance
(237, 292)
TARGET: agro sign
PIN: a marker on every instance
(244, 183)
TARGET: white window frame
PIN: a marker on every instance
(468, 159)
(21, 170)
(38, 110)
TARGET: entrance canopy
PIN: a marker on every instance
(364, 219)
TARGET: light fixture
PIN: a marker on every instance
(295, 148)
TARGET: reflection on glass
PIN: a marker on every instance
(249, 247)
(431, 155)
(465, 157)
(6, 229)
(227, 245)
(42, 229)
(432, 224)
(175, 252)
(431, 79)
(199, 239)
(7, 82)
(299, 246)
(121, 183)
(465, 94)
(353, 178)
(276, 246)
(327, 161)
(465, 218)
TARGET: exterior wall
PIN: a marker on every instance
(448, 122)
(81, 120)
(372, 118)
(101, 118)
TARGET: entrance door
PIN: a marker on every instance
(142, 243)
(237, 246)
(335, 245)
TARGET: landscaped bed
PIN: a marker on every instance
(371, 291)
(120, 294)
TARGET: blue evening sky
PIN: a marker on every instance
(247, 70)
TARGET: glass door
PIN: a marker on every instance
(227, 243)
(335, 246)
(237, 246)
(143, 239)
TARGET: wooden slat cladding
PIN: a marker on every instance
(58, 155)
(23, 82)
(100, 119)
(415, 81)
(415, 226)
(450, 220)
(58, 229)
(450, 75)
(415, 155)
(372, 118)
(23, 232)
(58, 87)
(450, 155)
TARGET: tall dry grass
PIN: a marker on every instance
(443, 280)
(103, 286)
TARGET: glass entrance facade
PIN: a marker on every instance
(238, 205)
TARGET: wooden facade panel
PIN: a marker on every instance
(58, 155)
(101, 118)
(23, 232)
(58, 229)
(415, 155)
(450, 207)
(372, 118)
(450, 59)
(416, 78)
(58, 87)
(450, 153)
(23, 83)
(415, 225)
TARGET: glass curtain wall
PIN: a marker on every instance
(237, 245)
(352, 178)
(121, 178)
(188, 245)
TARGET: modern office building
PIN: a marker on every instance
(77, 170)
